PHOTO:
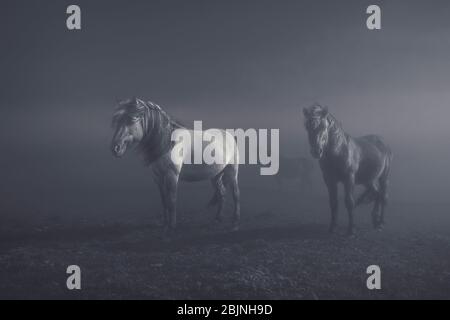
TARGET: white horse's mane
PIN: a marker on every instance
(156, 124)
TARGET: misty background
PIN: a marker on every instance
(232, 64)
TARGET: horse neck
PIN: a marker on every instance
(337, 138)
(157, 139)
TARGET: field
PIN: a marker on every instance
(66, 200)
(282, 251)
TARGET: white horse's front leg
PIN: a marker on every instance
(166, 176)
(162, 218)
(170, 191)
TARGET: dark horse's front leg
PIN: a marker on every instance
(332, 197)
(349, 185)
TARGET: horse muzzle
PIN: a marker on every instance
(317, 153)
(118, 150)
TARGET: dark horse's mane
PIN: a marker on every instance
(336, 134)
(157, 126)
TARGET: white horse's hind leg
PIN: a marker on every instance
(231, 178)
(219, 195)
(237, 205)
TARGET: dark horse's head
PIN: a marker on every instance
(129, 125)
(317, 125)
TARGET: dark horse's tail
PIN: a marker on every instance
(384, 178)
(370, 195)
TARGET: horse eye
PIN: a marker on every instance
(132, 120)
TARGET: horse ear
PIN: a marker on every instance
(306, 112)
(124, 102)
(324, 111)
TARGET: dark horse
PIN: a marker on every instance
(364, 160)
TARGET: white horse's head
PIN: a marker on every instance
(128, 124)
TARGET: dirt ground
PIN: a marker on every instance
(282, 251)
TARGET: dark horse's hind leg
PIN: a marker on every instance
(383, 198)
(383, 191)
(219, 195)
(333, 199)
(370, 194)
(375, 214)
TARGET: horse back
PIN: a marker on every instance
(374, 157)
(224, 146)
(374, 141)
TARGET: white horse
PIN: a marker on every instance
(146, 126)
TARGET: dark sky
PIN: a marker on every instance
(231, 64)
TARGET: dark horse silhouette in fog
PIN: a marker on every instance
(298, 168)
(364, 160)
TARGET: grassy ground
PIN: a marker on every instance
(281, 252)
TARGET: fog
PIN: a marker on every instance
(228, 63)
